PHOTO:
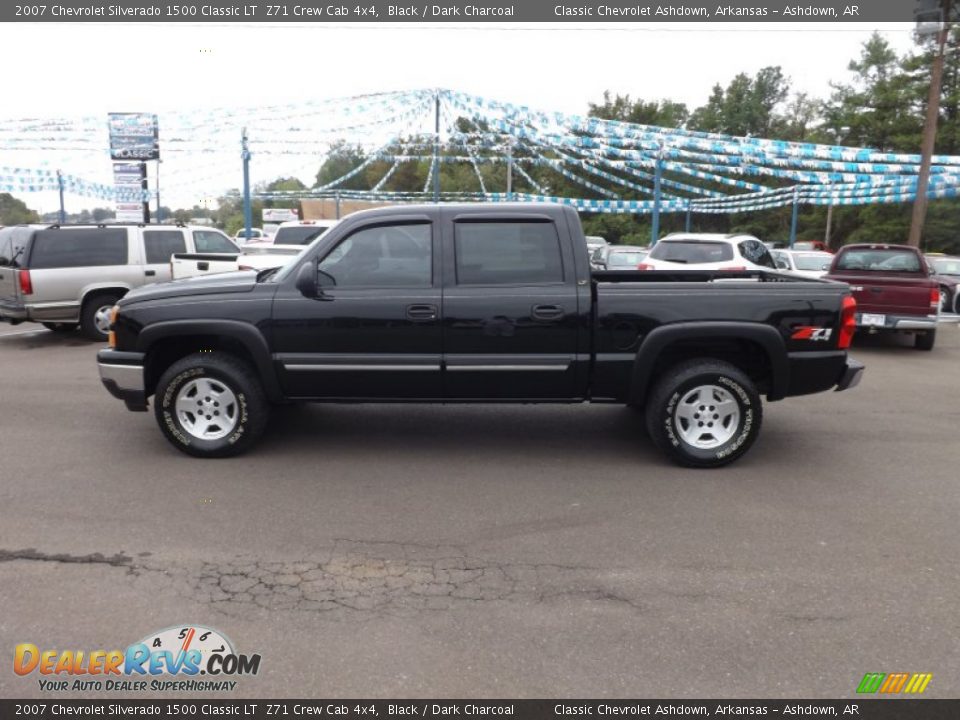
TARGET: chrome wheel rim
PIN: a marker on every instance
(707, 417)
(101, 318)
(944, 299)
(207, 409)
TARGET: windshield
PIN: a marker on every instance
(812, 262)
(625, 258)
(691, 251)
(299, 235)
(879, 260)
(946, 266)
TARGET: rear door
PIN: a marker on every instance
(158, 246)
(510, 307)
(13, 243)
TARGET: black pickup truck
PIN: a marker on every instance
(476, 303)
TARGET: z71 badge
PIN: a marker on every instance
(811, 332)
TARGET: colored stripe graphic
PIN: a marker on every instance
(871, 682)
(918, 683)
(894, 683)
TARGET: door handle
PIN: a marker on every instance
(203, 266)
(422, 312)
(876, 290)
(547, 312)
(149, 273)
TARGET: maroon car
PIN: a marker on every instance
(894, 289)
(946, 271)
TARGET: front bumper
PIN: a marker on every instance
(122, 375)
(852, 374)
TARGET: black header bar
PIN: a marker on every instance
(461, 11)
(258, 709)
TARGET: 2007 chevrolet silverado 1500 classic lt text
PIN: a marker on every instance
(477, 303)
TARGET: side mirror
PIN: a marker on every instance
(307, 280)
(783, 265)
(825, 266)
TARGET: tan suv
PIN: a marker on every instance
(69, 275)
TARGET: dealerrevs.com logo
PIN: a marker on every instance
(172, 659)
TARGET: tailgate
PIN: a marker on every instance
(183, 265)
(889, 295)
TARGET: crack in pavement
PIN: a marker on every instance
(356, 576)
(118, 560)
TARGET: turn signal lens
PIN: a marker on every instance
(26, 285)
(848, 322)
(111, 335)
(934, 300)
(644, 266)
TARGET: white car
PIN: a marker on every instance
(708, 251)
(261, 257)
(256, 235)
(811, 263)
(298, 232)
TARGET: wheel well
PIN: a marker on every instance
(166, 351)
(118, 291)
(747, 355)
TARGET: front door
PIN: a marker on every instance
(374, 330)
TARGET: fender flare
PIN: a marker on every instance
(657, 340)
(245, 333)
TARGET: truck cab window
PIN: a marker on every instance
(382, 256)
(507, 253)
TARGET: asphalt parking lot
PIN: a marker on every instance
(491, 551)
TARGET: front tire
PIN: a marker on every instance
(211, 404)
(704, 413)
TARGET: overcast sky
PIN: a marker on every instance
(89, 70)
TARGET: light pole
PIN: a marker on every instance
(930, 128)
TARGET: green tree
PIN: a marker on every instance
(15, 212)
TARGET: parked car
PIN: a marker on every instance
(460, 303)
(261, 258)
(594, 242)
(894, 287)
(816, 245)
(256, 235)
(708, 251)
(299, 232)
(946, 269)
(68, 275)
(810, 264)
(624, 257)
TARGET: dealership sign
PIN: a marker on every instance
(134, 136)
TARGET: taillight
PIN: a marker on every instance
(26, 286)
(738, 268)
(848, 322)
(934, 300)
(644, 266)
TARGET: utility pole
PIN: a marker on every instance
(657, 176)
(247, 212)
(146, 198)
(793, 217)
(510, 170)
(159, 211)
(63, 212)
(436, 152)
(930, 129)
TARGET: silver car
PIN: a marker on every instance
(68, 275)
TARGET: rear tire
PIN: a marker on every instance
(704, 413)
(95, 316)
(60, 327)
(210, 405)
(925, 341)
